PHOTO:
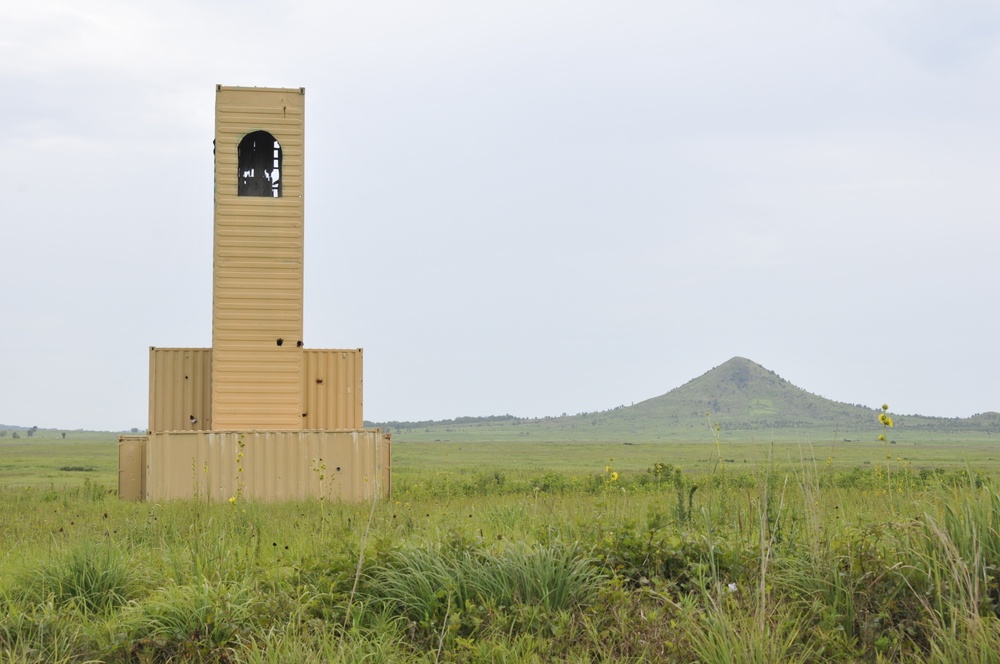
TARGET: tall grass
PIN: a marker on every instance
(731, 635)
(956, 563)
(90, 577)
(37, 632)
(775, 563)
(440, 588)
(201, 620)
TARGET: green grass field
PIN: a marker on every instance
(48, 460)
(512, 551)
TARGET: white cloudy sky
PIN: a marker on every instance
(519, 206)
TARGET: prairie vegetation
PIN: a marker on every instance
(795, 555)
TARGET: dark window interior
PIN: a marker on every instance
(259, 165)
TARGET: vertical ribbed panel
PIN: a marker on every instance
(132, 467)
(333, 389)
(266, 465)
(386, 458)
(180, 389)
(256, 383)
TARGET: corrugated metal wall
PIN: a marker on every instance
(386, 464)
(132, 467)
(280, 465)
(180, 389)
(257, 383)
(228, 421)
(333, 389)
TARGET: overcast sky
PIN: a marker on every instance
(517, 207)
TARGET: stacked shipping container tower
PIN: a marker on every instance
(257, 415)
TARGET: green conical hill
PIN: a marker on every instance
(740, 394)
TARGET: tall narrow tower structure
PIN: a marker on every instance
(257, 356)
(257, 415)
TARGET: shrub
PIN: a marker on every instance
(202, 621)
(464, 587)
(92, 577)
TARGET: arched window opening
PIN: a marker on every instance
(259, 158)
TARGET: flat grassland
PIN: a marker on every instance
(49, 460)
(513, 551)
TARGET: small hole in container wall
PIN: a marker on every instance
(299, 343)
(338, 468)
(280, 341)
(319, 381)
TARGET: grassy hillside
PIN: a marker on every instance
(738, 401)
(746, 401)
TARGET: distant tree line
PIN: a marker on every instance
(30, 433)
(424, 424)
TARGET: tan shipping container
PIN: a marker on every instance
(180, 389)
(258, 273)
(266, 465)
(256, 416)
(132, 467)
(333, 389)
